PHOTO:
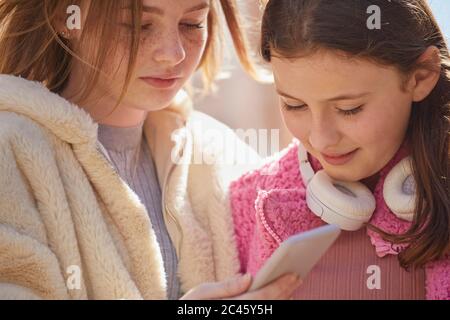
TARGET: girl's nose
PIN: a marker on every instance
(323, 135)
(170, 50)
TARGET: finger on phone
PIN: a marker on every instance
(220, 290)
(234, 286)
(279, 289)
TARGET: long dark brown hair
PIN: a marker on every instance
(294, 28)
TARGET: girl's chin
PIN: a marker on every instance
(343, 175)
(154, 102)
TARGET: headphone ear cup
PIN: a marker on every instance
(346, 204)
(399, 190)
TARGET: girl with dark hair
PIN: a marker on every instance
(369, 107)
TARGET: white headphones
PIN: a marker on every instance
(350, 204)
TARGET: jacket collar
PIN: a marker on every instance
(33, 100)
(74, 125)
(165, 140)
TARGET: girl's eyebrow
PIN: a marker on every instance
(348, 96)
(160, 12)
(201, 6)
(337, 98)
(281, 93)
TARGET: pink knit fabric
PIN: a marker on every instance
(267, 209)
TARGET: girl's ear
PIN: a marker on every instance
(73, 16)
(425, 77)
(59, 22)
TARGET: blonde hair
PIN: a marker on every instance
(30, 46)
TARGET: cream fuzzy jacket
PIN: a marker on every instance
(70, 228)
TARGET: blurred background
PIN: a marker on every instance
(242, 103)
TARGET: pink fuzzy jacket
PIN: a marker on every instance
(268, 208)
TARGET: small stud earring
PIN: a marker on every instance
(64, 34)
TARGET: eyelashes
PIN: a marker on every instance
(352, 111)
(186, 26)
(194, 25)
(288, 107)
(347, 113)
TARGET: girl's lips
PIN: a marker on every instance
(160, 83)
(341, 160)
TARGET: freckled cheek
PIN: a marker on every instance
(194, 49)
(195, 44)
(196, 36)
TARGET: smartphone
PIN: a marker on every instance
(298, 254)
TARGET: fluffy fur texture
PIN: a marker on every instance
(63, 205)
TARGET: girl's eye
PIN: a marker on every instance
(293, 108)
(302, 107)
(193, 26)
(351, 112)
